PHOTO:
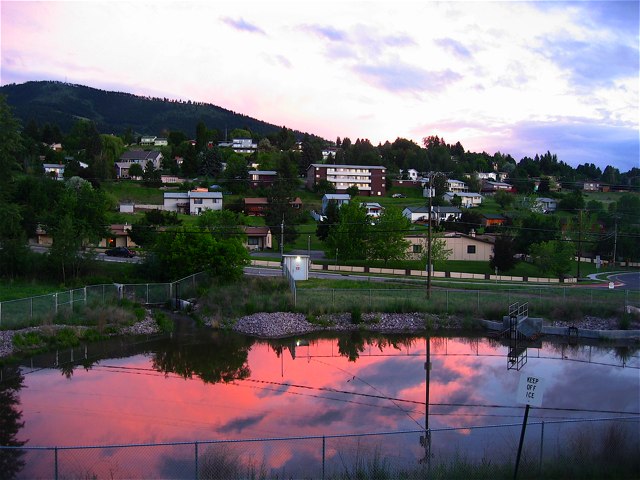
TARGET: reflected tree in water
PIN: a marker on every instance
(11, 461)
(223, 359)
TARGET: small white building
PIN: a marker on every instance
(297, 266)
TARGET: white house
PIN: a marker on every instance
(339, 199)
(463, 247)
(439, 214)
(374, 209)
(412, 173)
(456, 186)
(194, 202)
(468, 199)
(140, 157)
(240, 145)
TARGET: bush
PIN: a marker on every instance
(356, 315)
(165, 324)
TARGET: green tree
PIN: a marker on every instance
(184, 251)
(332, 216)
(350, 236)
(77, 219)
(504, 199)
(236, 174)
(536, 228)
(136, 170)
(439, 251)
(10, 144)
(387, 241)
(14, 252)
(222, 224)
(553, 257)
(151, 176)
(504, 252)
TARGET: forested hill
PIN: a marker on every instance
(113, 112)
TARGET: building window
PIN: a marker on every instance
(253, 240)
(417, 248)
(471, 249)
(197, 201)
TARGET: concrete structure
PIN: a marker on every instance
(370, 180)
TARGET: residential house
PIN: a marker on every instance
(592, 186)
(410, 174)
(171, 179)
(489, 187)
(160, 142)
(456, 186)
(240, 145)
(54, 170)
(545, 204)
(256, 207)
(492, 220)
(338, 198)
(370, 180)
(258, 238)
(468, 199)
(140, 157)
(118, 237)
(194, 202)
(147, 140)
(262, 178)
(463, 247)
(374, 209)
(439, 214)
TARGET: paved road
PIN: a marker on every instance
(630, 281)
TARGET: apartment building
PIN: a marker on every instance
(370, 180)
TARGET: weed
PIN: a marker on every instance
(164, 322)
(356, 315)
(28, 340)
(64, 338)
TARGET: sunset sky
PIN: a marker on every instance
(514, 77)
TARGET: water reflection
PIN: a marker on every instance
(11, 461)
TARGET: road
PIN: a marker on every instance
(630, 281)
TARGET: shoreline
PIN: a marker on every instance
(280, 325)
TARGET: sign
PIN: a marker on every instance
(530, 390)
(611, 285)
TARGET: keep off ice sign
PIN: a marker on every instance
(530, 390)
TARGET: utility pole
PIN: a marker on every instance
(282, 238)
(579, 241)
(615, 240)
(429, 239)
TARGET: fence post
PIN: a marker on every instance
(85, 296)
(55, 299)
(369, 298)
(447, 300)
(478, 301)
(147, 293)
(55, 462)
(333, 297)
(31, 309)
(0, 313)
(196, 453)
(541, 449)
(324, 441)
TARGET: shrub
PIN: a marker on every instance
(356, 315)
(164, 322)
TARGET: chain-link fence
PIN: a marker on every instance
(491, 303)
(31, 311)
(552, 449)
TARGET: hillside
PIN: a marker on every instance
(114, 112)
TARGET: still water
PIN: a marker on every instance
(207, 385)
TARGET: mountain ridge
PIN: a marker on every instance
(63, 104)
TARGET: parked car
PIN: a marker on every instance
(120, 252)
(398, 195)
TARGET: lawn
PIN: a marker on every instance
(131, 191)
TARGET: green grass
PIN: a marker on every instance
(131, 191)
(12, 290)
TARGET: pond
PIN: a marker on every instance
(202, 385)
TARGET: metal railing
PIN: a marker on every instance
(552, 449)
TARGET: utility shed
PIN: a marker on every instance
(297, 265)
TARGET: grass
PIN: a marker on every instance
(131, 191)
(15, 289)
